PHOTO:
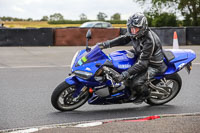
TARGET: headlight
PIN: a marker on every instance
(83, 74)
(72, 63)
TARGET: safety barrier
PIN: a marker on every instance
(76, 36)
(166, 34)
(26, 37)
(193, 35)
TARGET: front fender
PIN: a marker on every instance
(72, 80)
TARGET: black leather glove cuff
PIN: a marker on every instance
(101, 45)
(125, 75)
(106, 44)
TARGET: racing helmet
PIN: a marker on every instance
(137, 21)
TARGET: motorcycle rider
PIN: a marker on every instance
(147, 47)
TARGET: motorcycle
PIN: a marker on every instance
(91, 78)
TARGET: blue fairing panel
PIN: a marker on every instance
(182, 57)
(182, 54)
(84, 57)
(90, 67)
(122, 60)
(179, 55)
(72, 80)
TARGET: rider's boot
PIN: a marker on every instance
(143, 94)
(132, 97)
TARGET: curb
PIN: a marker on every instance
(84, 124)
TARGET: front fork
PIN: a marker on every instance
(80, 90)
(72, 81)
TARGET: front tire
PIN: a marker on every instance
(62, 98)
(171, 84)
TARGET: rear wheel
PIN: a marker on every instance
(62, 98)
(164, 90)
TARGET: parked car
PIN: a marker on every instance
(96, 24)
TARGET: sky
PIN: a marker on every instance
(70, 9)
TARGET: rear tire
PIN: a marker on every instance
(62, 98)
(173, 88)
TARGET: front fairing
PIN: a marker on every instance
(84, 57)
(86, 60)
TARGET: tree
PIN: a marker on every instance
(29, 19)
(83, 16)
(156, 19)
(56, 17)
(101, 16)
(164, 19)
(116, 16)
(190, 9)
(45, 18)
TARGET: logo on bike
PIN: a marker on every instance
(124, 66)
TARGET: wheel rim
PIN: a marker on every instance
(170, 86)
(67, 101)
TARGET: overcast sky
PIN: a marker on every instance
(70, 9)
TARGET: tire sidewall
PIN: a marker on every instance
(56, 94)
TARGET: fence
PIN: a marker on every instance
(76, 36)
(193, 35)
(166, 34)
(26, 37)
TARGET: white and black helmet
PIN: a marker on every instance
(137, 20)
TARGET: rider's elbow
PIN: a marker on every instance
(144, 63)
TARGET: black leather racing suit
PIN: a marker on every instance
(150, 58)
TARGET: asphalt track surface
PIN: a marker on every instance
(30, 74)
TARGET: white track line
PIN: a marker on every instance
(16, 67)
(31, 130)
(90, 124)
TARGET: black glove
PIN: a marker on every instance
(120, 77)
(103, 45)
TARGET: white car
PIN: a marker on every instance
(96, 24)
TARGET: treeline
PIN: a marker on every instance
(83, 21)
(58, 18)
(4, 18)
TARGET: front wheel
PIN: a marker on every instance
(164, 90)
(62, 98)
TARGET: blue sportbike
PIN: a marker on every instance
(91, 78)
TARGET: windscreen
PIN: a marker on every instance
(95, 54)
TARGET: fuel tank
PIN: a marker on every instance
(122, 60)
